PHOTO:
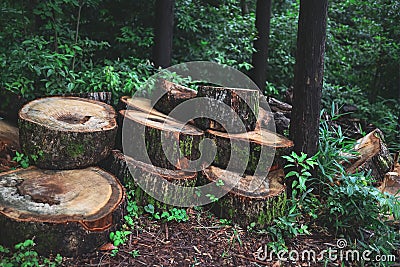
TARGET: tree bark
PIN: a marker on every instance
(273, 146)
(260, 56)
(244, 205)
(167, 143)
(244, 7)
(304, 128)
(169, 95)
(67, 132)
(220, 100)
(163, 33)
(128, 170)
(68, 212)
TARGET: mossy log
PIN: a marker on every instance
(373, 156)
(215, 113)
(70, 212)
(169, 95)
(9, 144)
(265, 150)
(160, 141)
(255, 199)
(129, 170)
(68, 132)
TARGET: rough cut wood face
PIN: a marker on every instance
(70, 212)
(8, 135)
(373, 156)
(58, 196)
(70, 113)
(67, 132)
(140, 103)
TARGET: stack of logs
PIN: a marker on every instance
(64, 203)
(184, 137)
(69, 206)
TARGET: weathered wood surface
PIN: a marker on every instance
(146, 136)
(69, 212)
(373, 156)
(129, 170)
(273, 144)
(9, 144)
(243, 102)
(69, 132)
(255, 199)
(139, 104)
(169, 95)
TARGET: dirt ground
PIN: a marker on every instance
(202, 241)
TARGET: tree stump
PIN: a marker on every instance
(119, 165)
(243, 102)
(9, 144)
(68, 132)
(273, 145)
(70, 212)
(146, 136)
(374, 156)
(246, 204)
(169, 95)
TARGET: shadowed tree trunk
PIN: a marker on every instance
(308, 76)
(163, 32)
(244, 7)
(260, 56)
(309, 68)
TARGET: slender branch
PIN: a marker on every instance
(77, 33)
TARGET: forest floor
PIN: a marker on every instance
(201, 241)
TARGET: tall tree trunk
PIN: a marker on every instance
(260, 56)
(163, 32)
(245, 7)
(309, 68)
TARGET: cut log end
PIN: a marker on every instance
(255, 199)
(65, 131)
(374, 156)
(9, 144)
(69, 113)
(56, 206)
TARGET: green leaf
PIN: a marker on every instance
(292, 173)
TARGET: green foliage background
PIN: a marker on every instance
(62, 46)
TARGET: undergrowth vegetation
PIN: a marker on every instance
(342, 204)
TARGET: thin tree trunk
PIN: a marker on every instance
(304, 128)
(308, 76)
(245, 7)
(260, 56)
(163, 32)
